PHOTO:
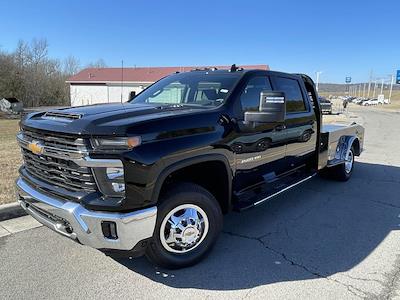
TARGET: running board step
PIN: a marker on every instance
(264, 192)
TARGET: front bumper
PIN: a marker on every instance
(85, 226)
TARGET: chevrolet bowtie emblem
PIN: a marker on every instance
(36, 147)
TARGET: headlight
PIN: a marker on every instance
(116, 143)
(110, 181)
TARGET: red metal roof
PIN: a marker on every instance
(142, 74)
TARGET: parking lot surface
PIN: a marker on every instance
(322, 240)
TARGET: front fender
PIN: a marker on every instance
(147, 167)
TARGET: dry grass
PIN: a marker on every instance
(10, 160)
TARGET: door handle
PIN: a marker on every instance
(280, 127)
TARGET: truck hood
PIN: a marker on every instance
(103, 119)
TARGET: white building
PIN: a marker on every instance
(105, 85)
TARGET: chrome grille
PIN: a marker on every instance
(54, 166)
(56, 141)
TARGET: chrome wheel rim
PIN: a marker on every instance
(184, 228)
(348, 165)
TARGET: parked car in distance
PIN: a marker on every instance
(358, 100)
(370, 102)
(326, 105)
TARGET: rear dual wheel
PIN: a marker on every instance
(343, 171)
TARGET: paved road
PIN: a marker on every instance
(324, 240)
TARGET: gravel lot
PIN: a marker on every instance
(323, 240)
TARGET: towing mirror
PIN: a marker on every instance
(272, 108)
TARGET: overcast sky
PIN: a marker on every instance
(340, 38)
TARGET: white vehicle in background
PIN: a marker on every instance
(358, 100)
(370, 102)
(381, 99)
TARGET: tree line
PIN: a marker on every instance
(30, 75)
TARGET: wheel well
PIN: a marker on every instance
(356, 146)
(211, 175)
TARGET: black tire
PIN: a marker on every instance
(339, 172)
(185, 193)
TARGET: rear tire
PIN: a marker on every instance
(344, 171)
(189, 219)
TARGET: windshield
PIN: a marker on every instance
(191, 88)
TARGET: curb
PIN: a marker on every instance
(10, 211)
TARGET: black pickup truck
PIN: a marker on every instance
(155, 175)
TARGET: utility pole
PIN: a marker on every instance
(369, 82)
(391, 88)
(122, 78)
(318, 73)
(364, 90)
(373, 96)
(382, 86)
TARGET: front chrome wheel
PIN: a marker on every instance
(184, 228)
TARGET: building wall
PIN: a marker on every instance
(87, 94)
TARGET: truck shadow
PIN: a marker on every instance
(318, 229)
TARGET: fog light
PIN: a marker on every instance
(110, 181)
(109, 230)
(118, 187)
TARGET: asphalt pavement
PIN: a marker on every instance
(321, 240)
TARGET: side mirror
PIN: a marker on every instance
(272, 108)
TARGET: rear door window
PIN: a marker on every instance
(294, 97)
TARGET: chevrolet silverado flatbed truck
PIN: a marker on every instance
(155, 175)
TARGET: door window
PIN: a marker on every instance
(250, 97)
(294, 97)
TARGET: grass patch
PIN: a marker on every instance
(10, 160)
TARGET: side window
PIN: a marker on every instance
(292, 90)
(250, 97)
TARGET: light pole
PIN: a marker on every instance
(318, 73)
(363, 90)
(391, 88)
(369, 83)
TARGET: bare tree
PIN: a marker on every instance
(71, 65)
(38, 51)
(31, 76)
(100, 63)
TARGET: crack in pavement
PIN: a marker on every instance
(341, 194)
(350, 288)
(363, 279)
(392, 280)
